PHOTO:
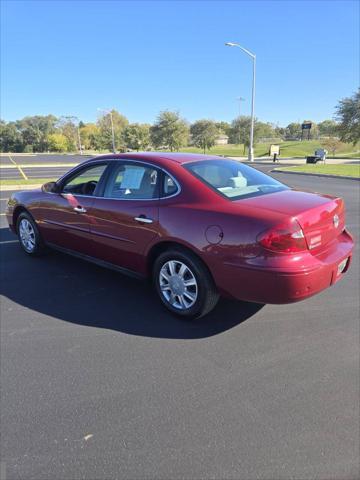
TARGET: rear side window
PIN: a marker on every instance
(131, 181)
(169, 187)
(233, 179)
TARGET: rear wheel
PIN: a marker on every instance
(28, 234)
(184, 284)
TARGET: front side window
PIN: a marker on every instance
(131, 181)
(84, 183)
(233, 179)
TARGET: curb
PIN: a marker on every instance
(326, 175)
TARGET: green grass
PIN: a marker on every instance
(340, 170)
(30, 181)
(287, 149)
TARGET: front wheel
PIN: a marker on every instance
(184, 284)
(29, 236)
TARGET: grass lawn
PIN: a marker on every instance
(30, 181)
(341, 170)
(287, 149)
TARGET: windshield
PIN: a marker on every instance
(233, 179)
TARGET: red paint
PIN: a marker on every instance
(246, 244)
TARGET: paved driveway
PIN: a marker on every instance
(98, 381)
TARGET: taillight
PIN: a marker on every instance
(285, 238)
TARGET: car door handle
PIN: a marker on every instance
(143, 219)
(80, 209)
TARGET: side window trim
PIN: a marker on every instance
(82, 168)
(111, 164)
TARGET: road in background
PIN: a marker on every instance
(38, 166)
(54, 166)
(99, 381)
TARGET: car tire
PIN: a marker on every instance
(184, 284)
(29, 236)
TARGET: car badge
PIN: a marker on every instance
(336, 221)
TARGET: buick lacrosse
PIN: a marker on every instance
(198, 226)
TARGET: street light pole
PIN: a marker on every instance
(251, 149)
(109, 112)
(253, 56)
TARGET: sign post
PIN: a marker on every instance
(306, 126)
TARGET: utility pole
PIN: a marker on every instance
(253, 57)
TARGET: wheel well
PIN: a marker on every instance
(159, 248)
(16, 214)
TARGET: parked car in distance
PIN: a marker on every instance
(200, 226)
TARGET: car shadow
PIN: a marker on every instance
(79, 292)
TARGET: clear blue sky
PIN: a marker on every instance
(70, 57)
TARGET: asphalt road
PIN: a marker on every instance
(99, 382)
(37, 166)
(52, 166)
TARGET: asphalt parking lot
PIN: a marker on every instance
(54, 166)
(37, 166)
(99, 382)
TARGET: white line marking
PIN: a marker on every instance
(8, 241)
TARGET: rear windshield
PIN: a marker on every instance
(233, 179)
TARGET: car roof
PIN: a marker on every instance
(177, 157)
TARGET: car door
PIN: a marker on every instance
(126, 219)
(64, 216)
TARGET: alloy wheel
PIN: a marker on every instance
(178, 284)
(27, 235)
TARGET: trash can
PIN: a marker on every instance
(313, 159)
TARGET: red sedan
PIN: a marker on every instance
(199, 226)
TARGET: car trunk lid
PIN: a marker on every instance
(321, 217)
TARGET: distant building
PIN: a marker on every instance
(222, 139)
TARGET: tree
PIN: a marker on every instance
(280, 132)
(204, 133)
(11, 138)
(240, 131)
(170, 131)
(35, 131)
(137, 136)
(223, 127)
(120, 122)
(348, 114)
(68, 128)
(293, 130)
(332, 144)
(57, 142)
(328, 128)
(264, 130)
(89, 135)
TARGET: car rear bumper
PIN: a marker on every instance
(281, 285)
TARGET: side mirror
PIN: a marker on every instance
(50, 187)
